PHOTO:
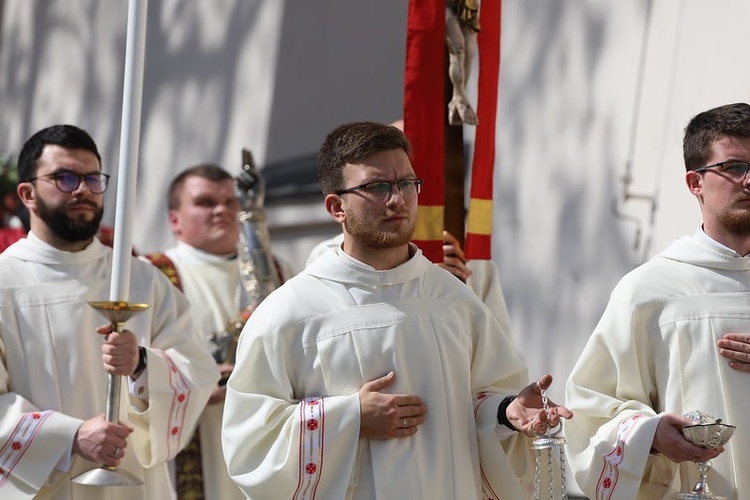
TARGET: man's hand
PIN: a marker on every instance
(736, 348)
(453, 257)
(527, 414)
(219, 393)
(101, 441)
(119, 351)
(387, 416)
(669, 441)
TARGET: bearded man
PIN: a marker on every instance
(673, 340)
(374, 373)
(54, 366)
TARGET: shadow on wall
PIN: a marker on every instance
(562, 144)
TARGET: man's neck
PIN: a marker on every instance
(46, 235)
(379, 259)
(232, 254)
(738, 243)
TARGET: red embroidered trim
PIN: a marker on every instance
(178, 410)
(19, 441)
(311, 441)
(605, 487)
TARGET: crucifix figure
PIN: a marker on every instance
(461, 28)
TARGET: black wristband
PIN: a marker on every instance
(142, 360)
(502, 418)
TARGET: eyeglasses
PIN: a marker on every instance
(67, 182)
(383, 189)
(736, 170)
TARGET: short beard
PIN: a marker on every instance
(737, 223)
(370, 237)
(65, 228)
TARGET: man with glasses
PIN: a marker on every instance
(673, 339)
(54, 366)
(374, 373)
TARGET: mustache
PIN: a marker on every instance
(77, 203)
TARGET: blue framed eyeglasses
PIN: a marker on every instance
(67, 182)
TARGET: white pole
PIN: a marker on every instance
(135, 47)
(123, 240)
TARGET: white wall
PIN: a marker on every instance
(590, 90)
(220, 75)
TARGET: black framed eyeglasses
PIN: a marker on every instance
(67, 182)
(736, 170)
(383, 189)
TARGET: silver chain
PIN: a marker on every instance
(537, 474)
(562, 474)
(550, 468)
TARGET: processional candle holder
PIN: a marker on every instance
(117, 312)
(553, 443)
(707, 432)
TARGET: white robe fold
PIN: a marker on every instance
(52, 379)
(292, 416)
(212, 285)
(654, 351)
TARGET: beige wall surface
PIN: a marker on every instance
(594, 95)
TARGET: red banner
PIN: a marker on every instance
(423, 117)
(479, 225)
(424, 124)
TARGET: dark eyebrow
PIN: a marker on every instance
(68, 171)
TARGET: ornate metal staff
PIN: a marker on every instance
(118, 309)
(258, 273)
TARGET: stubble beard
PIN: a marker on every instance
(65, 228)
(365, 232)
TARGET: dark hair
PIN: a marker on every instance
(353, 142)
(709, 126)
(207, 171)
(67, 136)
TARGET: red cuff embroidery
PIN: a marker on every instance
(605, 487)
(19, 441)
(311, 444)
(178, 409)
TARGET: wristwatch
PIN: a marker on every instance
(142, 360)
(502, 417)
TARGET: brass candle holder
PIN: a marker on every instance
(117, 312)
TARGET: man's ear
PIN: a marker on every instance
(334, 207)
(694, 182)
(27, 194)
(174, 220)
